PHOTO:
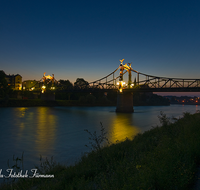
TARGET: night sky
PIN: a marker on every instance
(86, 39)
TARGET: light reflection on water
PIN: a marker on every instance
(122, 127)
(59, 131)
(45, 130)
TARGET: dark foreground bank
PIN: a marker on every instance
(162, 158)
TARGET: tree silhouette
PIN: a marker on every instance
(65, 85)
(4, 88)
(81, 84)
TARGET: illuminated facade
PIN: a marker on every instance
(30, 85)
(14, 81)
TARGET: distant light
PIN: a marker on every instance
(118, 83)
(43, 87)
(120, 90)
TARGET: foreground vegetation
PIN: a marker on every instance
(162, 158)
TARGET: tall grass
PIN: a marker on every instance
(162, 158)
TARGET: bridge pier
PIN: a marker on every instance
(125, 102)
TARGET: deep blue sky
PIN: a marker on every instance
(86, 39)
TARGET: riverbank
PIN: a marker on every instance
(164, 157)
(186, 103)
(38, 102)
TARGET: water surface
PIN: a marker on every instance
(59, 131)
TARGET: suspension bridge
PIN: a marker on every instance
(143, 82)
(121, 80)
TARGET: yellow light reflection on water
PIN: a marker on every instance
(21, 111)
(122, 127)
(46, 129)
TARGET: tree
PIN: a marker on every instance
(4, 88)
(65, 85)
(81, 84)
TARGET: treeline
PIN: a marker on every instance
(149, 99)
(139, 99)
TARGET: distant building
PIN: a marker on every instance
(14, 81)
(30, 85)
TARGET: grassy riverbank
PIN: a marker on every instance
(162, 158)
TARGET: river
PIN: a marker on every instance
(59, 131)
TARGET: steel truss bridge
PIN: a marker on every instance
(121, 78)
(144, 82)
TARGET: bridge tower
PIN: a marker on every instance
(124, 98)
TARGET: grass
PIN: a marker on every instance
(162, 158)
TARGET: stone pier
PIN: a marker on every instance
(125, 102)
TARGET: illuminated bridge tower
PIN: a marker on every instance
(124, 98)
